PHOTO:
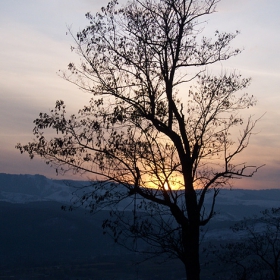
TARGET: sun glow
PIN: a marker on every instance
(166, 187)
(171, 183)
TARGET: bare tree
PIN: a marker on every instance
(156, 122)
(255, 252)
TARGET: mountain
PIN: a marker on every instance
(38, 238)
(230, 204)
(30, 188)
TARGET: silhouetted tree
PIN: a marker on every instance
(156, 121)
(255, 254)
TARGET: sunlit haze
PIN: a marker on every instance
(34, 46)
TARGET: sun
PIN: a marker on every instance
(166, 183)
(166, 187)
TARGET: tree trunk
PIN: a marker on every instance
(276, 269)
(191, 246)
(276, 273)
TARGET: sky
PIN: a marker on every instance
(34, 46)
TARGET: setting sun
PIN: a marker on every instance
(166, 187)
(173, 182)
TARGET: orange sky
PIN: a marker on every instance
(34, 46)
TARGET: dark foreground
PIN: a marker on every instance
(104, 268)
(40, 241)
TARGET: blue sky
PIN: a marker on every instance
(34, 46)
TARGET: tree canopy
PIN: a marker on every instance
(157, 121)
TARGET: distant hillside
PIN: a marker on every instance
(35, 232)
(31, 188)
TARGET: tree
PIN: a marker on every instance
(157, 122)
(257, 251)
